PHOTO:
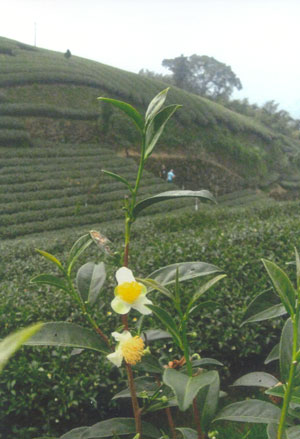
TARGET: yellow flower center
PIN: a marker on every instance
(133, 350)
(129, 291)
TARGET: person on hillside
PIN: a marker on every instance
(163, 172)
(170, 176)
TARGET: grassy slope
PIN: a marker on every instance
(38, 177)
(40, 83)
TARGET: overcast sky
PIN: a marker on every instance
(259, 39)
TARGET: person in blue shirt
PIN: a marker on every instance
(170, 176)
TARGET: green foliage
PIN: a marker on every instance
(45, 110)
(203, 195)
(64, 182)
(89, 280)
(11, 122)
(203, 75)
(68, 93)
(66, 334)
(190, 385)
(112, 427)
(10, 344)
(235, 238)
(15, 137)
(283, 421)
(186, 388)
(255, 411)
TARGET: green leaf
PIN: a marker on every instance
(188, 433)
(207, 402)
(251, 410)
(293, 432)
(68, 335)
(90, 279)
(49, 279)
(260, 379)
(168, 321)
(127, 109)
(76, 433)
(205, 362)
(118, 178)
(79, 247)
(282, 285)
(286, 352)
(10, 344)
(273, 355)
(208, 305)
(51, 258)
(272, 431)
(297, 267)
(156, 104)
(154, 334)
(153, 285)
(186, 271)
(149, 364)
(206, 287)
(169, 195)
(186, 388)
(280, 392)
(263, 307)
(156, 126)
(142, 385)
(47, 437)
(112, 428)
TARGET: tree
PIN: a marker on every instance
(153, 75)
(67, 54)
(180, 68)
(203, 75)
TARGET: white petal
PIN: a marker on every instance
(116, 357)
(119, 306)
(140, 303)
(121, 337)
(144, 289)
(123, 274)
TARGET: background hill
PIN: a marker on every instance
(55, 138)
(46, 97)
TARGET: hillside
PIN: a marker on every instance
(55, 137)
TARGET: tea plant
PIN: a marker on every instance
(184, 382)
(188, 380)
(283, 414)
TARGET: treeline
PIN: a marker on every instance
(212, 79)
(269, 114)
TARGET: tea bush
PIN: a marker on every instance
(233, 238)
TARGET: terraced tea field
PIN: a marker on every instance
(44, 96)
(55, 187)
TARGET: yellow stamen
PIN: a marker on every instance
(129, 291)
(133, 350)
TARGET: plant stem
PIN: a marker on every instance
(125, 322)
(186, 352)
(190, 372)
(134, 400)
(129, 219)
(81, 303)
(168, 413)
(127, 239)
(171, 422)
(97, 329)
(197, 420)
(288, 392)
